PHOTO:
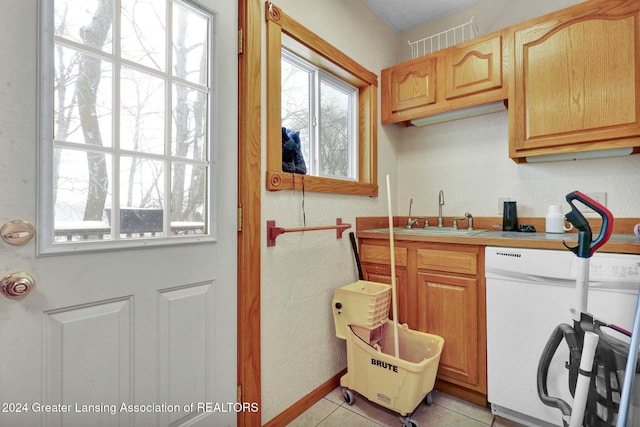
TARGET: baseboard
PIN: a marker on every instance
(293, 411)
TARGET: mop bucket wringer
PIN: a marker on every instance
(401, 383)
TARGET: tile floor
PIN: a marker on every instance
(445, 411)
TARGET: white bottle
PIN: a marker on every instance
(555, 222)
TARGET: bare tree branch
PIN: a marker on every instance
(94, 34)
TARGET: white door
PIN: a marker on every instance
(140, 336)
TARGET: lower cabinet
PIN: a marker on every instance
(440, 290)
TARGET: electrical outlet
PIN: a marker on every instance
(600, 197)
(501, 201)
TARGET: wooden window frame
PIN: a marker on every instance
(281, 31)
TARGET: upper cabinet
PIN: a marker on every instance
(575, 85)
(411, 86)
(475, 68)
(465, 75)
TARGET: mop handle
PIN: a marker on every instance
(394, 301)
(630, 369)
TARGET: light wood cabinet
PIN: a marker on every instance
(440, 290)
(473, 68)
(576, 81)
(465, 75)
(411, 86)
(450, 310)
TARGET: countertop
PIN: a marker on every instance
(618, 243)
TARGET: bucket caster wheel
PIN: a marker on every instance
(348, 396)
(408, 422)
(428, 399)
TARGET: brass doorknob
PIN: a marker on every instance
(17, 285)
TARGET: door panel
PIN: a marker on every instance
(186, 342)
(450, 311)
(413, 85)
(88, 357)
(475, 68)
(591, 101)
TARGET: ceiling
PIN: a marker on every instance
(404, 15)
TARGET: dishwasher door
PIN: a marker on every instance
(523, 309)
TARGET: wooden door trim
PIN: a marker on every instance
(249, 201)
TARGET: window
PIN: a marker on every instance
(324, 110)
(332, 101)
(126, 108)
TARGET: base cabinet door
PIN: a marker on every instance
(449, 308)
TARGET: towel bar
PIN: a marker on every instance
(273, 232)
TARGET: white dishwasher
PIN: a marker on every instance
(529, 293)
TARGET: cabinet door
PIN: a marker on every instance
(473, 68)
(382, 274)
(577, 81)
(448, 307)
(412, 85)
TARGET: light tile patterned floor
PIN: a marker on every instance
(445, 411)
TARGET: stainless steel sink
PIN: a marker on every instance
(432, 231)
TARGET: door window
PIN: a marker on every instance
(125, 133)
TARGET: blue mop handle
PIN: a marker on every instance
(630, 370)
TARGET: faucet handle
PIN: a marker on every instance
(454, 225)
(426, 220)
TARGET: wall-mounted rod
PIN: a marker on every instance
(273, 232)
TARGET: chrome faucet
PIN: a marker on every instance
(410, 221)
(440, 204)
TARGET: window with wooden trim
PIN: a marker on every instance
(350, 85)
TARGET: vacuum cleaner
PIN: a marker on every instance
(597, 360)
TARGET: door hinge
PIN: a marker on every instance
(240, 42)
(239, 394)
(239, 220)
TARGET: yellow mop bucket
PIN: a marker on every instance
(393, 366)
(399, 384)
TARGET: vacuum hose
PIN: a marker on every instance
(562, 331)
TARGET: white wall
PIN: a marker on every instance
(468, 158)
(300, 274)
